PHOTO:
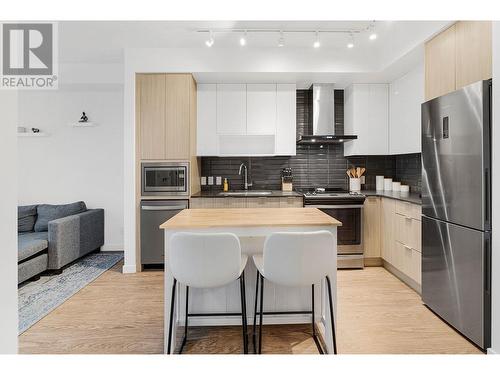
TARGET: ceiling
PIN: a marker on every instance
(397, 41)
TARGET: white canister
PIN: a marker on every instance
(355, 184)
(388, 184)
(379, 183)
(396, 186)
(404, 189)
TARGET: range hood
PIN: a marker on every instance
(321, 130)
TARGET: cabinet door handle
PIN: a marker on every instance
(407, 247)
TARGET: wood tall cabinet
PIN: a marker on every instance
(457, 57)
(166, 119)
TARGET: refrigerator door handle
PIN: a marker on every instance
(487, 266)
(487, 197)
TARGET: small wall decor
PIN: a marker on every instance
(84, 118)
(83, 122)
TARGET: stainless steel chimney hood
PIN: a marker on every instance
(321, 130)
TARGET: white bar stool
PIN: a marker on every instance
(206, 261)
(295, 259)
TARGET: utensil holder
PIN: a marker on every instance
(355, 184)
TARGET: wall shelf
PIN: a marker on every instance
(31, 134)
(83, 124)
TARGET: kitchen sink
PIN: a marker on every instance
(243, 193)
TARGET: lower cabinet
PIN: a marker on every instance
(401, 239)
(260, 202)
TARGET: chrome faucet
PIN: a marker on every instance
(246, 184)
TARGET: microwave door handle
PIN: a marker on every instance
(163, 208)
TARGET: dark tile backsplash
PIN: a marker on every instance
(315, 166)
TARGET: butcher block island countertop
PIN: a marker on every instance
(249, 217)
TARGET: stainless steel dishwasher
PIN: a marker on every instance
(153, 214)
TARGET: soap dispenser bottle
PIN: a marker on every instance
(226, 185)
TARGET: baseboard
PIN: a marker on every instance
(373, 262)
(490, 351)
(112, 247)
(129, 268)
(401, 276)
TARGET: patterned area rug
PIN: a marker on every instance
(38, 298)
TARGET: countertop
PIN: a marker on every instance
(405, 197)
(219, 194)
(249, 217)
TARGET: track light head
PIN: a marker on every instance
(210, 41)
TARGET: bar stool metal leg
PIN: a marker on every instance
(254, 336)
(315, 337)
(186, 321)
(171, 317)
(244, 313)
(331, 314)
(261, 311)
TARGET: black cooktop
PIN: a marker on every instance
(331, 196)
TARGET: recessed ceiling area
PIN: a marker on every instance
(398, 44)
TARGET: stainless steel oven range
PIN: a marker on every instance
(165, 178)
(348, 209)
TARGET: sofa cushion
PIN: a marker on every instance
(32, 243)
(26, 217)
(49, 212)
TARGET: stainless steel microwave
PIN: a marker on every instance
(165, 178)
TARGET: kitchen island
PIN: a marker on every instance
(251, 225)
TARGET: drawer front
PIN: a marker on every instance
(398, 256)
(409, 232)
(291, 202)
(416, 235)
(409, 209)
(230, 202)
(403, 228)
(263, 202)
(416, 267)
(202, 203)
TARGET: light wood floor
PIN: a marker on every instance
(120, 313)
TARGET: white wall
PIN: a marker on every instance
(495, 288)
(8, 224)
(71, 163)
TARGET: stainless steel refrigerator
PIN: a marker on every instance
(456, 209)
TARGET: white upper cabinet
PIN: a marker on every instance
(406, 98)
(261, 108)
(231, 108)
(366, 114)
(286, 113)
(246, 119)
(206, 136)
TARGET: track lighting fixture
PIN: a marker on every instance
(243, 39)
(210, 41)
(281, 40)
(316, 43)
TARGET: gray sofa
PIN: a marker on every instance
(52, 236)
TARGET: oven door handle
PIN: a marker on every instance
(334, 206)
